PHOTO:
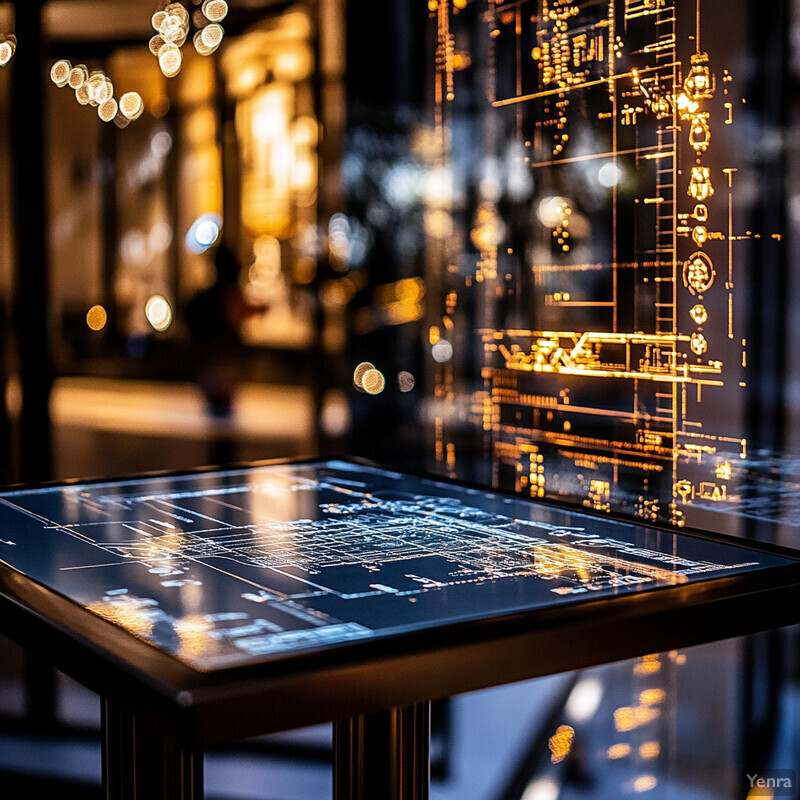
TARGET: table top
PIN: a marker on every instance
(288, 593)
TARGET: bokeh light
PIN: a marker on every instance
(161, 144)
(649, 750)
(542, 789)
(170, 60)
(645, 783)
(78, 76)
(359, 372)
(8, 46)
(60, 71)
(373, 381)
(200, 47)
(551, 209)
(157, 20)
(335, 417)
(609, 175)
(99, 88)
(108, 110)
(131, 105)
(212, 35)
(156, 43)
(442, 351)
(619, 750)
(96, 318)
(171, 26)
(158, 312)
(203, 233)
(82, 94)
(584, 700)
(96, 89)
(215, 10)
(405, 381)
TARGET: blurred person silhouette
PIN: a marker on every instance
(214, 318)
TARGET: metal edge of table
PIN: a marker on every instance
(361, 678)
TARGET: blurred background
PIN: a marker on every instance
(542, 245)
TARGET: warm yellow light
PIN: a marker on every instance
(6, 52)
(96, 318)
(620, 750)
(644, 783)
(560, 743)
(293, 63)
(155, 44)
(131, 105)
(178, 10)
(699, 314)
(305, 131)
(438, 223)
(700, 186)
(59, 72)
(359, 372)
(193, 632)
(651, 696)
(172, 27)
(649, 750)
(373, 381)
(127, 615)
(215, 10)
(108, 110)
(78, 76)
(200, 47)
(158, 312)
(686, 106)
(212, 35)
(170, 59)
(724, 472)
(99, 87)
(304, 175)
(82, 94)
(647, 667)
(628, 718)
(173, 32)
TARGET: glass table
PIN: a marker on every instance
(215, 605)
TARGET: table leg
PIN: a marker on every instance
(384, 755)
(141, 762)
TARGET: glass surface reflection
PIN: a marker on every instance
(245, 565)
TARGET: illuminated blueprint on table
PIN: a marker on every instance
(226, 568)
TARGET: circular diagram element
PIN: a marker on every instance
(698, 273)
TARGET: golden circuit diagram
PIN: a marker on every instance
(599, 256)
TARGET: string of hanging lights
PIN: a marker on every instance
(94, 88)
(172, 25)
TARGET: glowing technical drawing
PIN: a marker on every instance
(608, 319)
(223, 568)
